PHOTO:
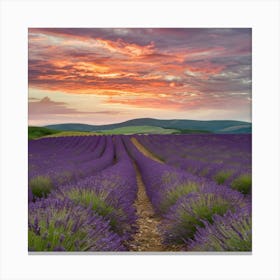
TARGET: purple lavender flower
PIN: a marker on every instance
(181, 221)
(67, 226)
(66, 160)
(231, 232)
(222, 158)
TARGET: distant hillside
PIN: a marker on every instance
(216, 126)
(145, 129)
(237, 129)
(36, 132)
(190, 131)
(73, 127)
(72, 133)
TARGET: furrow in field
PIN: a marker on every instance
(145, 151)
(148, 237)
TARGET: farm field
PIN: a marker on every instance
(40, 132)
(140, 193)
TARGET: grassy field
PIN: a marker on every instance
(191, 131)
(73, 133)
(141, 129)
(38, 132)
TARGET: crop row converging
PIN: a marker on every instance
(82, 191)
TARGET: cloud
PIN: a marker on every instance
(46, 106)
(130, 62)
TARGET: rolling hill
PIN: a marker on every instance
(36, 132)
(215, 126)
(144, 129)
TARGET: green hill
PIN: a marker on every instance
(36, 132)
(144, 129)
(39, 132)
(215, 126)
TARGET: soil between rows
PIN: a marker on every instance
(148, 237)
(144, 151)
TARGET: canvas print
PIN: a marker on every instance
(139, 140)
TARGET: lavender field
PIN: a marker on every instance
(140, 193)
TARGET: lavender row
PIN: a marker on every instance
(46, 156)
(111, 192)
(231, 232)
(42, 181)
(225, 159)
(51, 145)
(184, 201)
(61, 225)
(159, 178)
(106, 201)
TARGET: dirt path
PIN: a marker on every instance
(144, 150)
(148, 238)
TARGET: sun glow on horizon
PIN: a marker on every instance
(106, 75)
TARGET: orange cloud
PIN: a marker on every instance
(160, 63)
(155, 103)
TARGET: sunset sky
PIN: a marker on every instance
(101, 75)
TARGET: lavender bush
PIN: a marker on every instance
(67, 169)
(231, 232)
(111, 193)
(60, 225)
(82, 191)
(182, 219)
(221, 158)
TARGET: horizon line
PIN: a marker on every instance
(249, 122)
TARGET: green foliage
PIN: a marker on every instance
(73, 133)
(97, 202)
(37, 132)
(186, 126)
(191, 131)
(139, 129)
(243, 184)
(169, 177)
(235, 243)
(226, 235)
(221, 176)
(190, 216)
(173, 195)
(54, 234)
(41, 186)
(64, 177)
(88, 197)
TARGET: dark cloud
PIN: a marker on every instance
(162, 37)
(213, 64)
